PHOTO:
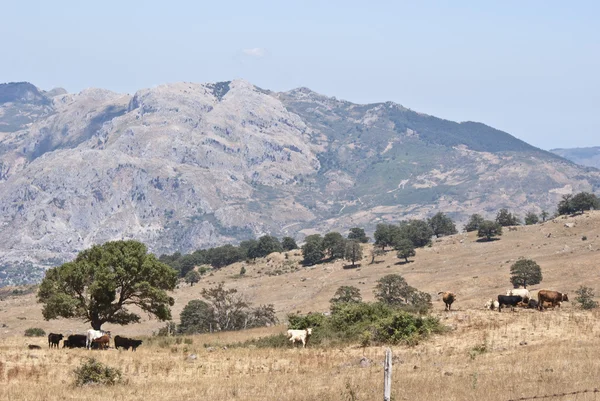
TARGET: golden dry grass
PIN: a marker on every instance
(484, 357)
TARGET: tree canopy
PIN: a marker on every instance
(489, 229)
(313, 250)
(474, 222)
(103, 282)
(525, 272)
(335, 245)
(578, 203)
(441, 225)
(531, 218)
(346, 293)
(358, 234)
(506, 218)
(405, 249)
(288, 243)
(353, 251)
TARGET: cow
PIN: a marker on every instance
(522, 292)
(75, 341)
(509, 300)
(33, 346)
(491, 304)
(124, 342)
(448, 298)
(532, 304)
(102, 342)
(94, 334)
(54, 340)
(299, 335)
(554, 297)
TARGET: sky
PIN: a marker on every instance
(530, 68)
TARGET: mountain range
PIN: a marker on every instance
(589, 156)
(185, 165)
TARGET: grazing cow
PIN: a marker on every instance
(299, 335)
(32, 346)
(553, 297)
(491, 304)
(509, 300)
(532, 304)
(75, 341)
(448, 298)
(124, 342)
(54, 340)
(522, 292)
(94, 334)
(102, 342)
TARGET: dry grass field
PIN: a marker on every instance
(486, 355)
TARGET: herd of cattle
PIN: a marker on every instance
(515, 297)
(93, 339)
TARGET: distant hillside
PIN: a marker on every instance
(585, 156)
(184, 166)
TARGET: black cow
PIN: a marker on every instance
(54, 340)
(75, 341)
(125, 342)
(509, 300)
(533, 304)
(33, 346)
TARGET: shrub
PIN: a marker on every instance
(405, 327)
(585, 298)
(93, 372)
(34, 332)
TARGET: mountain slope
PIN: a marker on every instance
(585, 156)
(183, 166)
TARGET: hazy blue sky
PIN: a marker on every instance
(531, 68)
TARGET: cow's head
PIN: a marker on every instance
(565, 297)
(309, 331)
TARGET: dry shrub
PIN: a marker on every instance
(93, 372)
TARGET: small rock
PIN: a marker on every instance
(192, 357)
(523, 343)
(365, 362)
(225, 347)
(415, 367)
(210, 349)
(549, 370)
(448, 373)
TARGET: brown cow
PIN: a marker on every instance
(448, 298)
(102, 342)
(553, 297)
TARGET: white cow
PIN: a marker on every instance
(491, 304)
(522, 292)
(94, 334)
(299, 335)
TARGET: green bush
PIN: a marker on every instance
(93, 372)
(301, 322)
(403, 327)
(34, 332)
(585, 298)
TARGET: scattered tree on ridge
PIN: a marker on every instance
(312, 250)
(334, 244)
(405, 249)
(544, 215)
(418, 231)
(441, 225)
(358, 234)
(102, 283)
(474, 222)
(393, 289)
(525, 272)
(505, 218)
(288, 244)
(192, 277)
(353, 251)
(346, 293)
(531, 218)
(489, 229)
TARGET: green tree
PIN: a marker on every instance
(346, 293)
(196, 317)
(405, 249)
(531, 218)
(585, 298)
(565, 206)
(544, 215)
(224, 255)
(418, 231)
(103, 282)
(584, 201)
(242, 271)
(441, 225)
(375, 252)
(384, 235)
(474, 222)
(250, 248)
(263, 315)
(288, 244)
(489, 229)
(358, 234)
(313, 250)
(505, 218)
(268, 244)
(192, 277)
(525, 272)
(229, 307)
(353, 251)
(393, 289)
(334, 245)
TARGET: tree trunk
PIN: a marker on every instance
(96, 325)
(406, 258)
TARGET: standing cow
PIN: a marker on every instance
(552, 297)
(54, 340)
(448, 298)
(94, 334)
(522, 292)
(509, 300)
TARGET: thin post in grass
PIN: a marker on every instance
(387, 376)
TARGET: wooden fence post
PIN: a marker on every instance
(387, 376)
